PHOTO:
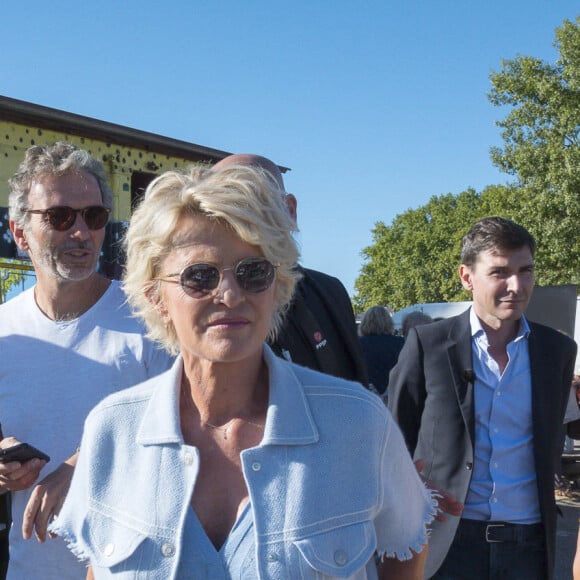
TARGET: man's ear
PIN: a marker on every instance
(19, 236)
(292, 205)
(466, 273)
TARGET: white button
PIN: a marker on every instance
(256, 466)
(109, 549)
(494, 500)
(167, 550)
(340, 557)
(188, 458)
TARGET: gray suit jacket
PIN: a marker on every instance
(431, 398)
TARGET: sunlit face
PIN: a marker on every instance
(229, 324)
(501, 284)
(72, 254)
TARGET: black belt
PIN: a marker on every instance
(493, 532)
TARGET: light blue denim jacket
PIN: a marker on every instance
(330, 484)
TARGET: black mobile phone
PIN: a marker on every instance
(22, 452)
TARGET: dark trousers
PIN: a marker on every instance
(495, 551)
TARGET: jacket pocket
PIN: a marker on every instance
(339, 553)
(111, 542)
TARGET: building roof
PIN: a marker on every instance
(42, 117)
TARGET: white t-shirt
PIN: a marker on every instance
(51, 375)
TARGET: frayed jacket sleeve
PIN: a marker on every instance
(407, 505)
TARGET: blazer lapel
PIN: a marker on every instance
(460, 359)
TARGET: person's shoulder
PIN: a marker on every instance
(13, 312)
(320, 277)
(547, 333)
(136, 395)
(316, 383)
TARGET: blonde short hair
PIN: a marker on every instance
(245, 199)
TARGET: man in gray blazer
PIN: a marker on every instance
(480, 398)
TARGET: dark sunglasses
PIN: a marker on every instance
(252, 275)
(62, 217)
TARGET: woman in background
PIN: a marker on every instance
(381, 347)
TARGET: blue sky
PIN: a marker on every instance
(375, 105)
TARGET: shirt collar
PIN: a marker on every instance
(289, 419)
(477, 329)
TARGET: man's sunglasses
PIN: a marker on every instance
(62, 217)
(253, 275)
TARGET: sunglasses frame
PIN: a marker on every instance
(204, 293)
(48, 217)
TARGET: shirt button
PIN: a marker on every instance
(167, 550)
(469, 466)
(109, 549)
(272, 557)
(188, 458)
(494, 500)
(340, 557)
(256, 466)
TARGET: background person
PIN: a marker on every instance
(380, 346)
(319, 329)
(490, 388)
(65, 343)
(247, 464)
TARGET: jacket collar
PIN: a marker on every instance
(289, 419)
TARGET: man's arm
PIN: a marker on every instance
(406, 391)
(47, 499)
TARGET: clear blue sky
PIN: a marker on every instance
(375, 105)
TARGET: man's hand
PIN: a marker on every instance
(16, 476)
(46, 500)
(448, 503)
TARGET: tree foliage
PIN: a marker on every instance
(415, 259)
(541, 149)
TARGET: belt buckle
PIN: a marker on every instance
(487, 529)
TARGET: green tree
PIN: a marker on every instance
(541, 135)
(415, 259)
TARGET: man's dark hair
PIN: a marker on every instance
(494, 233)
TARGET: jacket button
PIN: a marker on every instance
(188, 458)
(167, 550)
(109, 549)
(469, 466)
(340, 557)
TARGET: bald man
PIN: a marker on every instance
(319, 329)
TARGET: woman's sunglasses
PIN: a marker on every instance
(253, 275)
(62, 217)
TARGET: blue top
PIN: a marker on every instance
(330, 484)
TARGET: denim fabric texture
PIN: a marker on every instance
(330, 484)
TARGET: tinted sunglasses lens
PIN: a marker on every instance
(255, 274)
(61, 218)
(199, 279)
(96, 217)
